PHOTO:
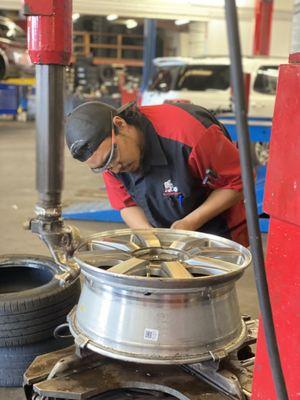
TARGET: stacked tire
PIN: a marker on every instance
(32, 305)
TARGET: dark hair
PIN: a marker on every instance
(132, 116)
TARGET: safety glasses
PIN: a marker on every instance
(108, 163)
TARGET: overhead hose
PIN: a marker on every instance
(250, 197)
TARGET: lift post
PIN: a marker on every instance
(149, 50)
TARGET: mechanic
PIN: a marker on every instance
(167, 166)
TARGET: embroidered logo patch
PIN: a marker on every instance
(170, 189)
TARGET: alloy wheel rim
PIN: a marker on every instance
(161, 255)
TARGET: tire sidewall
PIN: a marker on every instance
(40, 293)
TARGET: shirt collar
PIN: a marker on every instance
(154, 154)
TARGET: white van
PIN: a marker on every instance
(206, 81)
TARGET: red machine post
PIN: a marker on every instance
(263, 25)
(282, 203)
(49, 34)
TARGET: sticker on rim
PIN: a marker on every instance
(151, 334)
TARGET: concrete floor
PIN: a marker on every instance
(18, 196)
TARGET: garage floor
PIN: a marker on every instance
(18, 196)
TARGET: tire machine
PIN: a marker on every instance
(49, 44)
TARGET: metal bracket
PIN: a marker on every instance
(221, 379)
(61, 241)
(81, 341)
(252, 331)
(218, 355)
(226, 372)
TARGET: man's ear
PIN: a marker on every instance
(119, 122)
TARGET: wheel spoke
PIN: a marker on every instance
(210, 248)
(186, 243)
(212, 262)
(99, 257)
(132, 242)
(111, 244)
(176, 270)
(133, 266)
(146, 239)
(229, 255)
(220, 251)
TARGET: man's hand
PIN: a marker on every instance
(218, 201)
(185, 224)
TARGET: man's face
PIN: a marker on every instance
(127, 150)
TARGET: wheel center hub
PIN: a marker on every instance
(160, 254)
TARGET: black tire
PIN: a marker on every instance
(15, 360)
(107, 73)
(32, 303)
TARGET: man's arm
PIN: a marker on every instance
(217, 202)
(135, 218)
(120, 199)
(214, 151)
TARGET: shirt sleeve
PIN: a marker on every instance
(216, 152)
(118, 196)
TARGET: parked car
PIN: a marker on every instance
(14, 58)
(206, 81)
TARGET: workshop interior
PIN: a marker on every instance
(105, 292)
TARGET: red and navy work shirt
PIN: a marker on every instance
(182, 142)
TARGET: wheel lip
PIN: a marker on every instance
(166, 283)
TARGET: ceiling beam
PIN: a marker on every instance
(195, 10)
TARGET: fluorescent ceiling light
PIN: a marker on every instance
(182, 21)
(131, 23)
(75, 17)
(112, 17)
